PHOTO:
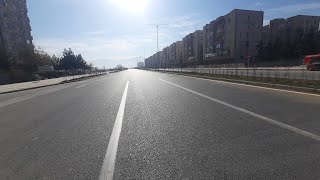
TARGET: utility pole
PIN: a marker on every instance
(157, 27)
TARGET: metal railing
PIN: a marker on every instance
(299, 73)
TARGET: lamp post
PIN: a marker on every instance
(158, 55)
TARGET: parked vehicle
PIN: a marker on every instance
(312, 62)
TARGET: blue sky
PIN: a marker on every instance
(111, 32)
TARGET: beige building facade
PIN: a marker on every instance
(193, 48)
(233, 37)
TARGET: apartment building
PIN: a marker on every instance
(188, 53)
(303, 23)
(140, 65)
(179, 53)
(152, 61)
(164, 57)
(233, 37)
(286, 30)
(198, 46)
(175, 54)
(193, 48)
(15, 29)
(172, 55)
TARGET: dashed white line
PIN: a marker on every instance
(269, 120)
(109, 161)
(98, 80)
(81, 86)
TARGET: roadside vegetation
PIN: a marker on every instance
(25, 66)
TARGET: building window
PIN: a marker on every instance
(247, 35)
(248, 17)
(247, 43)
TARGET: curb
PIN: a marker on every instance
(25, 89)
(276, 86)
(37, 87)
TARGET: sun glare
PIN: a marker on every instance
(132, 6)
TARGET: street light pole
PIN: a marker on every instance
(158, 47)
(157, 27)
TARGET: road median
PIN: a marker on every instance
(307, 86)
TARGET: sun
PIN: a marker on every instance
(132, 6)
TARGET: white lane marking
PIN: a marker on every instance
(81, 86)
(29, 96)
(269, 120)
(253, 86)
(109, 161)
(36, 138)
(101, 79)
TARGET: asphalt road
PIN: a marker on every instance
(172, 127)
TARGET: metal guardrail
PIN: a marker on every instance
(284, 73)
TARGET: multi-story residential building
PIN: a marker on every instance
(188, 53)
(175, 54)
(303, 23)
(179, 53)
(140, 65)
(193, 48)
(233, 37)
(265, 35)
(151, 62)
(147, 63)
(286, 30)
(172, 55)
(15, 29)
(198, 46)
(164, 57)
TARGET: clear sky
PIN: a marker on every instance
(111, 32)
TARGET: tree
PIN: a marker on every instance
(72, 62)
(55, 62)
(42, 57)
(27, 60)
(30, 60)
(68, 59)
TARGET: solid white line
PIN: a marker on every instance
(271, 121)
(253, 86)
(109, 161)
(81, 86)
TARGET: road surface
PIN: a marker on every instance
(149, 125)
